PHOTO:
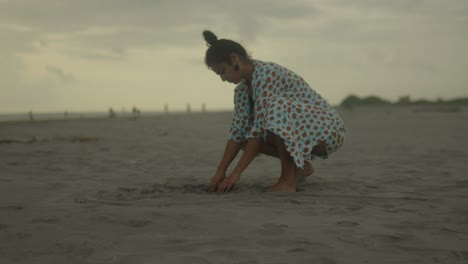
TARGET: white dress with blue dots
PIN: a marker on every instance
(284, 104)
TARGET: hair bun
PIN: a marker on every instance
(210, 37)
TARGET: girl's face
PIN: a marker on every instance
(227, 73)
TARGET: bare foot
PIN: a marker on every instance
(306, 172)
(282, 186)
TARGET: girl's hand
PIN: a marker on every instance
(227, 184)
(215, 180)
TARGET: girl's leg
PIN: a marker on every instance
(268, 148)
(287, 181)
(306, 172)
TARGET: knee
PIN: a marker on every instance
(274, 139)
(243, 144)
(270, 138)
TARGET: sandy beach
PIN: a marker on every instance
(133, 191)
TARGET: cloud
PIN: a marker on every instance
(59, 74)
(112, 53)
(156, 21)
(19, 94)
(71, 15)
(17, 39)
(449, 9)
(110, 29)
(252, 16)
(49, 43)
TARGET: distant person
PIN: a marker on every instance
(135, 112)
(166, 109)
(112, 113)
(276, 113)
(31, 115)
(203, 108)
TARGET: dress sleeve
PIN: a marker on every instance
(237, 129)
(264, 90)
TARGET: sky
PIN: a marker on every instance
(90, 55)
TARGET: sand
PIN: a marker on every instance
(133, 191)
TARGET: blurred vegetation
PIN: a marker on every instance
(353, 100)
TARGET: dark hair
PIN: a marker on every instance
(220, 50)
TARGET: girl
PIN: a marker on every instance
(276, 113)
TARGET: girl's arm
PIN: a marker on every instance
(230, 152)
(251, 150)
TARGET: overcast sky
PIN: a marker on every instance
(89, 55)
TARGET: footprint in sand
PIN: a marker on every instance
(395, 238)
(23, 235)
(461, 184)
(460, 255)
(224, 252)
(12, 207)
(445, 229)
(194, 260)
(407, 225)
(223, 255)
(292, 201)
(299, 246)
(272, 229)
(45, 221)
(84, 249)
(295, 250)
(3, 227)
(355, 208)
(138, 223)
(314, 247)
(347, 223)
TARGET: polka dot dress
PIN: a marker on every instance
(284, 104)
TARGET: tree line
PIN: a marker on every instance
(354, 100)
